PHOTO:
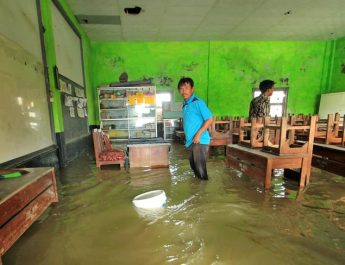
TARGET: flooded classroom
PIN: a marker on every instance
(153, 132)
(229, 219)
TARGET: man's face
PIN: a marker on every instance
(270, 91)
(186, 91)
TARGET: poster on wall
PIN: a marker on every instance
(74, 97)
(71, 112)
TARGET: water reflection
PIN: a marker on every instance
(151, 215)
(229, 219)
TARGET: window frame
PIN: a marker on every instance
(285, 100)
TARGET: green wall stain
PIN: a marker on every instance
(337, 83)
(224, 72)
(237, 67)
(163, 62)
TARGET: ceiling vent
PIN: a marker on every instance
(105, 20)
(133, 10)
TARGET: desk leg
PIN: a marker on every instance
(304, 172)
(310, 157)
(268, 175)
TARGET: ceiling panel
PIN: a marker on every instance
(216, 19)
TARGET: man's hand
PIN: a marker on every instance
(196, 139)
(204, 127)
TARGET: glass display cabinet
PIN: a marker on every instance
(128, 112)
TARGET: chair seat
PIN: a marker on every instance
(111, 155)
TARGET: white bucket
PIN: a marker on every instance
(151, 199)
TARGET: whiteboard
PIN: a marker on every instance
(24, 113)
(67, 48)
(18, 22)
(332, 103)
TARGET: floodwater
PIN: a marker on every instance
(226, 220)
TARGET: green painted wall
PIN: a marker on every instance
(164, 63)
(224, 72)
(51, 61)
(337, 83)
(237, 67)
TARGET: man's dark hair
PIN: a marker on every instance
(266, 85)
(185, 80)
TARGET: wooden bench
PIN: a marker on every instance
(104, 153)
(22, 201)
(259, 164)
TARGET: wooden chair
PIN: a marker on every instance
(250, 134)
(220, 131)
(104, 153)
(298, 120)
(287, 143)
(330, 130)
(235, 129)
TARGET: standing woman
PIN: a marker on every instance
(196, 120)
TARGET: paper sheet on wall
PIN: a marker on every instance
(62, 85)
(69, 88)
(80, 103)
(71, 112)
(68, 101)
(79, 92)
(80, 112)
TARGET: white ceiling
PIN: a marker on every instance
(199, 20)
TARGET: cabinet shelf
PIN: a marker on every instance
(106, 130)
(113, 99)
(117, 119)
(113, 109)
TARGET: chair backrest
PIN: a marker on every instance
(107, 142)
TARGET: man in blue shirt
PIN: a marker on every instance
(196, 120)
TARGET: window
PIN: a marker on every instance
(278, 101)
(162, 96)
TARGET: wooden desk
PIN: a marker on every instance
(259, 164)
(153, 152)
(22, 201)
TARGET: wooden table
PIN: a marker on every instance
(259, 164)
(22, 201)
(153, 153)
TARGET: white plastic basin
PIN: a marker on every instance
(151, 199)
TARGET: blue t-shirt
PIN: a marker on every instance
(195, 113)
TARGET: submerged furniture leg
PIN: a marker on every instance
(268, 175)
(304, 172)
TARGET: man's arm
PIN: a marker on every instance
(203, 128)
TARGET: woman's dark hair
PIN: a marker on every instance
(185, 80)
(266, 85)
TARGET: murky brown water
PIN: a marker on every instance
(226, 220)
